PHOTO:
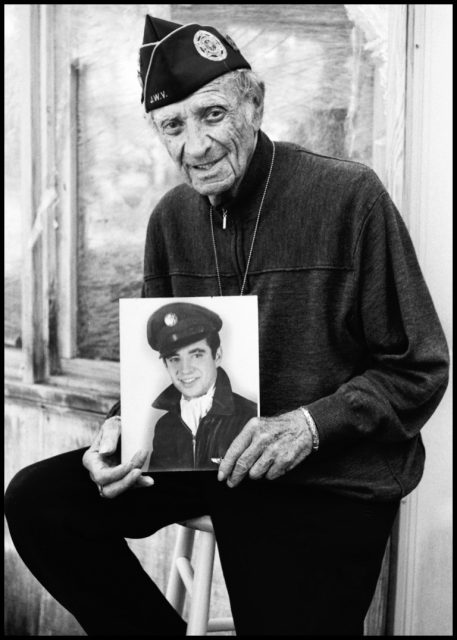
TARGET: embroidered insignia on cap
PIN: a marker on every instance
(171, 319)
(159, 95)
(209, 46)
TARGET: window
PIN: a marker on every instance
(320, 93)
(121, 171)
(319, 77)
(101, 170)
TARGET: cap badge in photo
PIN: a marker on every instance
(209, 46)
(171, 319)
(178, 324)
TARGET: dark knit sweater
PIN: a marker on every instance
(347, 325)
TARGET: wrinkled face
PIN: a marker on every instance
(192, 369)
(211, 136)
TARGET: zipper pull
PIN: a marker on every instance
(224, 219)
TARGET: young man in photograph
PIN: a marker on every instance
(203, 414)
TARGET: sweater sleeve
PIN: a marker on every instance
(407, 360)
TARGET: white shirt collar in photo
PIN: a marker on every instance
(194, 409)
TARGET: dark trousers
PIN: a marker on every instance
(296, 561)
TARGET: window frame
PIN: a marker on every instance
(49, 206)
(49, 188)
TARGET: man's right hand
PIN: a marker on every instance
(102, 462)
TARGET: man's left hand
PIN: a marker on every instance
(267, 447)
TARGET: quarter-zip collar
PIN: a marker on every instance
(223, 404)
(247, 200)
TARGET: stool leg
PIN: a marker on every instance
(201, 589)
(176, 591)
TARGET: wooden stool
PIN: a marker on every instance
(196, 582)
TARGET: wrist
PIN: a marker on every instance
(312, 428)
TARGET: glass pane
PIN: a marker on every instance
(318, 65)
(121, 172)
(323, 69)
(13, 218)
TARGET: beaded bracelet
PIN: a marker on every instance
(312, 427)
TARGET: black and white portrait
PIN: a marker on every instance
(227, 319)
(189, 378)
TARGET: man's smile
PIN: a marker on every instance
(206, 166)
(188, 381)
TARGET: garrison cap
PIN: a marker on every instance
(179, 324)
(176, 60)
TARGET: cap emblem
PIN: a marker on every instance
(171, 319)
(209, 46)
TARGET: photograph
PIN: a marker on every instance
(189, 378)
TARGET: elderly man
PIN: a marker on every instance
(353, 363)
(203, 414)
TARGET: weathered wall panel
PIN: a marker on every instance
(33, 433)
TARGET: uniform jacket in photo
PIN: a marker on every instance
(174, 444)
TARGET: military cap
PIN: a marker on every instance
(179, 324)
(176, 60)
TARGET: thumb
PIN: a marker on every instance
(144, 481)
(110, 433)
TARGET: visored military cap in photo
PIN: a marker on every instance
(179, 324)
(176, 60)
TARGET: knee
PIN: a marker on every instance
(22, 491)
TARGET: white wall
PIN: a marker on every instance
(424, 586)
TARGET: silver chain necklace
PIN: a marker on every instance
(253, 237)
